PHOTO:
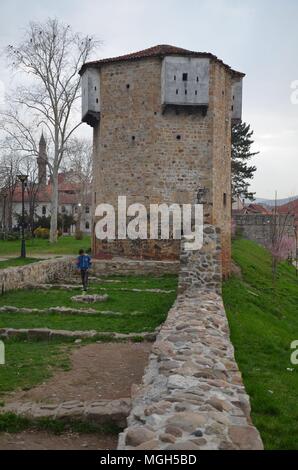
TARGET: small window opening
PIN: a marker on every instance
(133, 138)
(177, 91)
(185, 77)
(197, 79)
(95, 88)
(185, 92)
(174, 77)
(96, 100)
(128, 86)
(87, 225)
(196, 92)
(224, 199)
(178, 137)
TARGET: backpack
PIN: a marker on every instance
(84, 261)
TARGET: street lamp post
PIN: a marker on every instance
(23, 180)
(4, 196)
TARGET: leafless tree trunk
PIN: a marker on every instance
(278, 238)
(51, 54)
(32, 188)
(79, 161)
(9, 169)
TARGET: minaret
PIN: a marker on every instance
(42, 161)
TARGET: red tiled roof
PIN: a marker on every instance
(158, 51)
(44, 194)
(257, 209)
(290, 208)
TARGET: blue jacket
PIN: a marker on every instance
(84, 262)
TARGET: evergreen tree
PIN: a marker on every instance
(242, 172)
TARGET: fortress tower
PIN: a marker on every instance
(162, 133)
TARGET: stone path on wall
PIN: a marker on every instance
(192, 395)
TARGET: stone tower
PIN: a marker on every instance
(162, 134)
(42, 161)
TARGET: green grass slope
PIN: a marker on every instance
(65, 246)
(264, 321)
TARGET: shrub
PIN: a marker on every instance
(41, 232)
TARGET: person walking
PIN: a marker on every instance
(84, 264)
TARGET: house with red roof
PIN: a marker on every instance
(37, 196)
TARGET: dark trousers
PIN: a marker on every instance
(84, 276)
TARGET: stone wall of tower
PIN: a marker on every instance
(221, 99)
(152, 156)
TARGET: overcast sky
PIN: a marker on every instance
(257, 37)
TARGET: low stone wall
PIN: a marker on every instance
(39, 272)
(45, 334)
(101, 412)
(192, 396)
(260, 228)
(126, 266)
(43, 272)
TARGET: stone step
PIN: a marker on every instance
(53, 286)
(47, 334)
(58, 309)
(101, 412)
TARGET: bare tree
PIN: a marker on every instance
(51, 54)
(9, 169)
(79, 162)
(281, 243)
(29, 167)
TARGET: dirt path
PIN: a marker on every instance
(99, 371)
(41, 440)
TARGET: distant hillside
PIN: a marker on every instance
(271, 202)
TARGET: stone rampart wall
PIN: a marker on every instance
(192, 396)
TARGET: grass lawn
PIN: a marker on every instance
(142, 311)
(264, 322)
(65, 246)
(12, 262)
(12, 423)
(28, 363)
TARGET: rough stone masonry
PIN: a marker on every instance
(192, 396)
(162, 134)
